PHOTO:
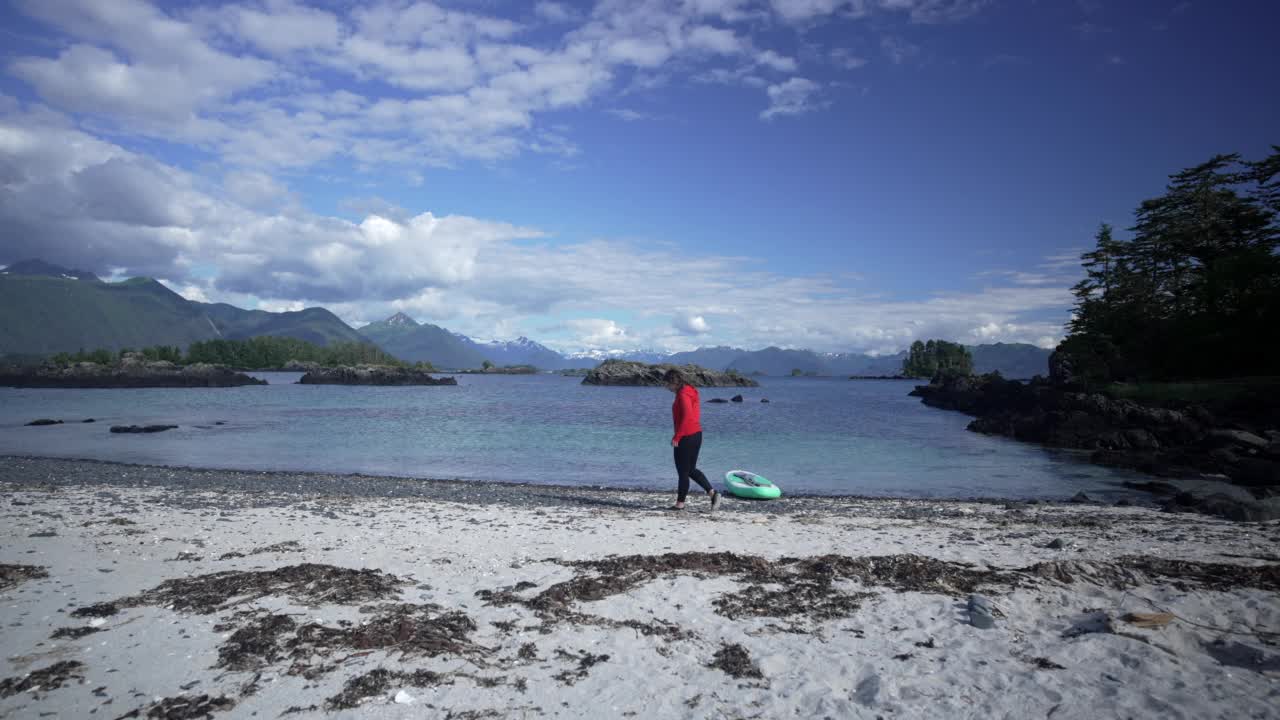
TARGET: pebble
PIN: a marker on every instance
(981, 612)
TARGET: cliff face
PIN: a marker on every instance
(626, 372)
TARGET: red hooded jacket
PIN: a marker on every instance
(686, 413)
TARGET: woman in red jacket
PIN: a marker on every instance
(687, 440)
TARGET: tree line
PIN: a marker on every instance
(258, 353)
(1195, 291)
(927, 359)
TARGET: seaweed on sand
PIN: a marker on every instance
(310, 583)
(377, 682)
(735, 661)
(12, 575)
(1136, 570)
(182, 707)
(774, 588)
(73, 633)
(411, 630)
(421, 630)
(585, 661)
(96, 610)
(48, 678)
(255, 645)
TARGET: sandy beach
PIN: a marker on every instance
(128, 591)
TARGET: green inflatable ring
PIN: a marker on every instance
(750, 485)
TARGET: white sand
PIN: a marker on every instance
(867, 664)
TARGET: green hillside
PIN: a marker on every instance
(45, 309)
(412, 342)
(41, 315)
(316, 325)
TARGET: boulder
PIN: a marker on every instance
(1255, 472)
(1239, 437)
(373, 375)
(43, 422)
(736, 398)
(1225, 506)
(717, 401)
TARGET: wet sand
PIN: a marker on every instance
(187, 593)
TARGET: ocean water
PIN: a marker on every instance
(822, 436)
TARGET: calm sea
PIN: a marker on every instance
(815, 435)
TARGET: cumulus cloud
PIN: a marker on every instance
(692, 325)
(793, 97)
(777, 61)
(919, 11)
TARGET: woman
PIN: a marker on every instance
(687, 440)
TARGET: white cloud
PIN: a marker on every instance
(845, 58)
(81, 202)
(555, 12)
(627, 114)
(691, 325)
(793, 97)
(280, 27)
(599, 333)
(713, 39)
(777, 61)
(919, 11)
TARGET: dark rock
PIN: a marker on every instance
(1239, 437)
(628, 373)
(1124, 502)
(43, 422)
(1081, 497)
(134, 429)
(1058, 544)
(764, 400)
(1224, 506)
(717, 401)
(373, 375)
(736, 398)
(1256, 472)
(88, 420)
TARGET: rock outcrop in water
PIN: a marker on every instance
(373, 375)
(131, 371)
(630, 373)
(1188, 442)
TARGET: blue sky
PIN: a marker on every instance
(616, 175)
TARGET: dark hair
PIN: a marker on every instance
(674, 377)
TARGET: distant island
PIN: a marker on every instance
(386, 375)
(132, 370)
(628, 373)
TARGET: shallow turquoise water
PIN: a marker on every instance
(816, 435)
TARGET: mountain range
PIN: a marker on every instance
(46, 309)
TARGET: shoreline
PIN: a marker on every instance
(18, 469)
(152, 594)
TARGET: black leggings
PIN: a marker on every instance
(686, 464)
